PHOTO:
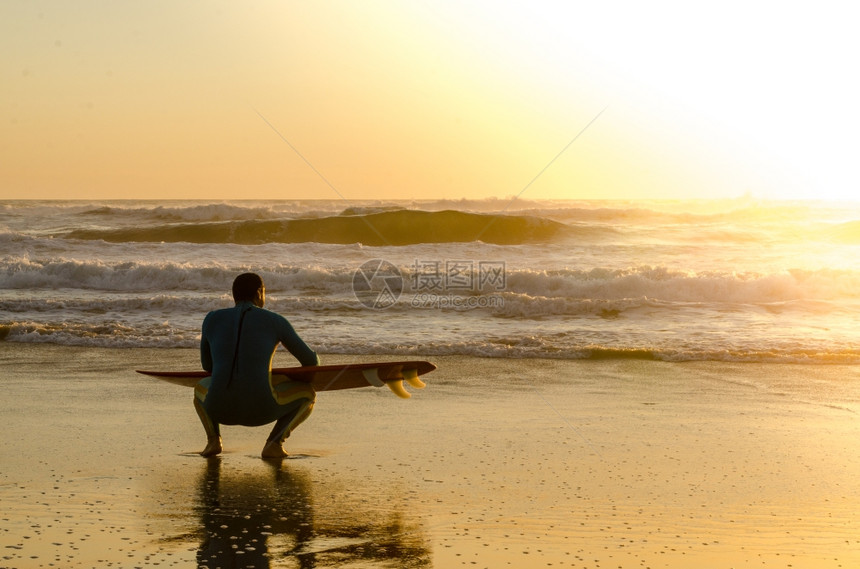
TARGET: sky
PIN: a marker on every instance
(379, 99)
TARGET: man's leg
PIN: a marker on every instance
(213, 431)
(297, 399)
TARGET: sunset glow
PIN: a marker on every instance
(402, 100)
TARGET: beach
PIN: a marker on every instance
(498, 462)
(619, 384)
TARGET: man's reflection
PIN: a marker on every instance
(250, 519)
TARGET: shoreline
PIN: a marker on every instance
(497, 462)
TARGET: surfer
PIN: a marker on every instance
(236, 348)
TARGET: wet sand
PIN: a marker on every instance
(498, 463)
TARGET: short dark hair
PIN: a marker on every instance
(246, 285)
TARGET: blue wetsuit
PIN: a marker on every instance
(237, 347)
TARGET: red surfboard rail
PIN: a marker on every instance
(328, 377)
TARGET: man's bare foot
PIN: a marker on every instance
(213, 447)
(274, 449)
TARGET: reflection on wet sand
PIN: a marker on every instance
(265, 518)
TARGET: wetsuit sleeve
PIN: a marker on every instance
(205, 349)
(296, 346)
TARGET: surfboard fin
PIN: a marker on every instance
(411, 377)
(397, 388)
(395, 385)
(372, 377)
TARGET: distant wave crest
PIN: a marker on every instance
(190, 213)
(399, 227)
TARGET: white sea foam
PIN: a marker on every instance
(521, 286)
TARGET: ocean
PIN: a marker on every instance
(739, 280)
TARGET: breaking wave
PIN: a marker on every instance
(400, 227)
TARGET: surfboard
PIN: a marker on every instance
(329, 377)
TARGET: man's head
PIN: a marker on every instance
(249, 286)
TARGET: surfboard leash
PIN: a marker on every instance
(236, 351)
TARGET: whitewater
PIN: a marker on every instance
(729, 280)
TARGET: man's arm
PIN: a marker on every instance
(205, 349)
(296, 346)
